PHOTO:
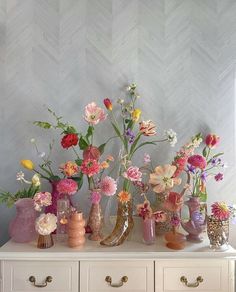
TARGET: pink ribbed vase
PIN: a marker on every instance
(76, 230)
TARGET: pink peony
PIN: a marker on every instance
(95, 197)
(94, 114)
(90, 167)
(133, 174)
(212, 140)
(197, 161)
(67, 186)
(108, 186)
(42, 199)
(220, 211)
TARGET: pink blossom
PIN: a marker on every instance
(212, 140)
(219, 176)
(95, 197)
(108, 186)
(160, 216)
(67, 186)
(42, 199)
(146, 158)
(144, 210)
(94, 114)
(197, 161)
(220, 211)
(133, 174)
(90, 167)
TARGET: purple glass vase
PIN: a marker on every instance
(196, 223)
(22, 227)
(149, 234)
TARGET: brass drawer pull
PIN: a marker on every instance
(123, 280)
(47, 280)
(191, 285)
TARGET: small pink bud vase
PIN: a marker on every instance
(22, 227)
(76, 230)
(149, 234)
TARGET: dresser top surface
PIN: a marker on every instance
(128, 250)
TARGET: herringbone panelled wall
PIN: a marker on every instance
(64, 53)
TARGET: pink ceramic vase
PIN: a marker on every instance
(22, 227)
(76, 230)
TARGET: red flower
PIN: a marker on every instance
(91, 152)
(69, 140)
(212, 140)
(180, 163)
(197, 161)
(108, 104)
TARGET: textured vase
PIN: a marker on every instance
(22, 227)
(196, 224)
(95, 222)
(149, 235)
(123, 227)
(218, 233)
(76, 230)
(45, 241)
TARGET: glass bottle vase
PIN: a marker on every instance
(149, 235)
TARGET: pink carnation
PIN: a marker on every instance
(108, 186)
(220, 211)
(133, 174)
(197, 161)
(67, 186)
(42, 199)
(90, 167)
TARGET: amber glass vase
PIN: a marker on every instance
(45, 241)
(123, 227)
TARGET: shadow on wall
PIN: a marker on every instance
(6, 213)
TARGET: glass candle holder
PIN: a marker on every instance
(63, 206)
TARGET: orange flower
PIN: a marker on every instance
(124, 196)
(110, 158)
(104, 165)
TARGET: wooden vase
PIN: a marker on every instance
(76, 230)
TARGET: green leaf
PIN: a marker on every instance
(101, 148)
(218, 154)
(44, 125)
(70, 130)
(89, 132)
(83, 144)
(79, 180)
(203, 197)
(143, 144)
(204, 152)
(79, 161)
(132, 149)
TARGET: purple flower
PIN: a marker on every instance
(215, 161)
(203, 176)
(197, 217)
(191, 168)
(130, 136)
(175, 220)
(219, 176)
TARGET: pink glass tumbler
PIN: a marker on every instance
(149, 235)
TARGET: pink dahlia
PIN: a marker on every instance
(197, 161)
(94, 114)
(133, 174)
(90, 167)
(108, 186)
(67, 186)
(220, 211)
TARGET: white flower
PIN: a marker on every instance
(20, 176)
(45, 224)
(36, 180)
(196, 142)
(41, 154)
(171, 137)
(120, 101)
(32, 140)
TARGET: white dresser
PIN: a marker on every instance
(131, 267)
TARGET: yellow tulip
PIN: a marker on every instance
(28, 164)
(136, 114)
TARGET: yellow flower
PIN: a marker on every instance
(136, 114)
(36, 180)
(124, 197)
(28, 164)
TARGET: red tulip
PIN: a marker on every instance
(108, 104)
(212, 140)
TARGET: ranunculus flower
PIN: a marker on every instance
(212, 140)
(69, 140)
(91, 152)
(220, 211)
(108, 104)
(133, 174)
(90, 167)
(197, 161)
(173, 202)
(147, 128)
(69, 168)
(45, 224)
(94, 114)
(162, 179)
(108, 186)
(124, 196)
(67, 186)
(136, 114)
(28, 164)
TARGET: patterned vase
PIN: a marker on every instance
(218, 233)
(76, 230)
(45, 241)
(22, 227)
(196, 223)
(123, 227)
(95, 222)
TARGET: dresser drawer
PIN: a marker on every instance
(17, 274)
(138, 276)
(200, 275)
